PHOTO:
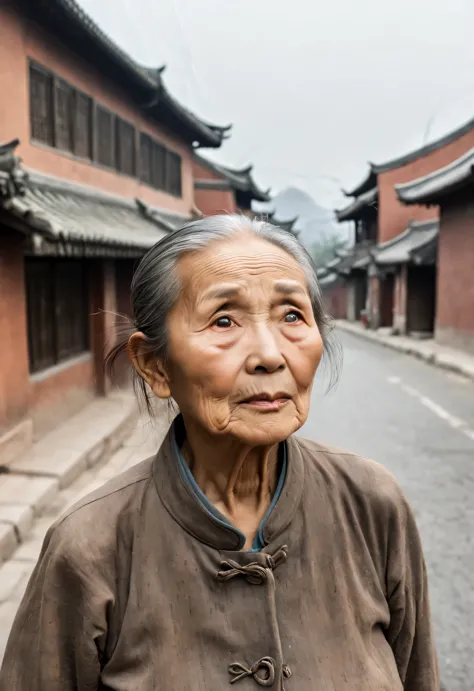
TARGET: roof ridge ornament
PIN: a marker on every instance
(13, 177)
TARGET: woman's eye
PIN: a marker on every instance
(223, 322)
(292, 317)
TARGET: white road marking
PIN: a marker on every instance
(442, 413)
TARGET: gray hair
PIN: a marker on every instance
(156, 286)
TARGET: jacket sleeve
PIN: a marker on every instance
(410, 633)
(60, 629)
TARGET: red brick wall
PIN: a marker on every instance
(201, 172)
(14, 370)
(211, 202)
(394, 216)
(58, 393)
(455, 288)
(21, 39)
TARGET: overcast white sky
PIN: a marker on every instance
(314, 88)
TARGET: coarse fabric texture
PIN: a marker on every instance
(139, 588)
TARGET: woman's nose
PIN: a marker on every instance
(264, 352)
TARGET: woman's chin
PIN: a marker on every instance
(263, 430)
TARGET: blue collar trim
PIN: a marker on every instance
(186, 474)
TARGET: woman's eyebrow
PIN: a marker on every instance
(284, 288)
(222, 293)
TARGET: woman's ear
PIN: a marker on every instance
(148, 367)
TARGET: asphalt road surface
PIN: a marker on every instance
(419, 422)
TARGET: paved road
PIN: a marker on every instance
(419, 422)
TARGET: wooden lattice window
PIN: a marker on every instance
(63, 101)
(105, 137)
(158, 166)
(64, 117)
(71, 309)
(82, 125)
(40, 315)
(125, 147)
(41, 105)
(57, 309)
(173, 173)
(145, 158)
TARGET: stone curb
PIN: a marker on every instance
(427, 354)
(30, 484)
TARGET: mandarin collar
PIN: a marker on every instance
(187, 510)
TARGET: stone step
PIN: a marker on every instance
(31, 482)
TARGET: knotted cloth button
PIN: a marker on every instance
(263, 671)
(277, 557)
(253, 573)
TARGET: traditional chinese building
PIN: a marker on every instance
(406, 268)
(219, 189)
(334, 290)
(353, 265)
(274, 219)
(380, 218)
(451, 190)
(106, 169)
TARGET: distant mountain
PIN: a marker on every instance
(314, 221)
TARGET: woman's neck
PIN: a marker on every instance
(239, 480)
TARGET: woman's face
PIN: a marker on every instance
(243, 343)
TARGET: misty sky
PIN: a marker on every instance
(314, 88)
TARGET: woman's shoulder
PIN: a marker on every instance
(96, 518)
(346, 473)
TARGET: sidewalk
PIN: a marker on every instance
(31, 482)
(137, 440)
(427, 350)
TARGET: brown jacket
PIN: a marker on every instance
(137, 588)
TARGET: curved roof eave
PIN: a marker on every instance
(259, 195)
(356, 208)
(367, 184)
(428, 189)
(424, 150)
(240, 179)
(414, 238)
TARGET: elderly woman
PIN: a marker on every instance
(240, 554)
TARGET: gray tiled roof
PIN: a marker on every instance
(328, 280)
(357, 257)
(425, 149)
(368, 183)
(430, 188)
(370, 179)
(12, 176)
(241, 180)
(288, 224)
(359, 206)
(403, 248)
(62, 211)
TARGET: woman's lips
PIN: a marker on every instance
(267, 404)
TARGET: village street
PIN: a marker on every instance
(409, 416)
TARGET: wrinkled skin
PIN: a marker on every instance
(242, 326)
